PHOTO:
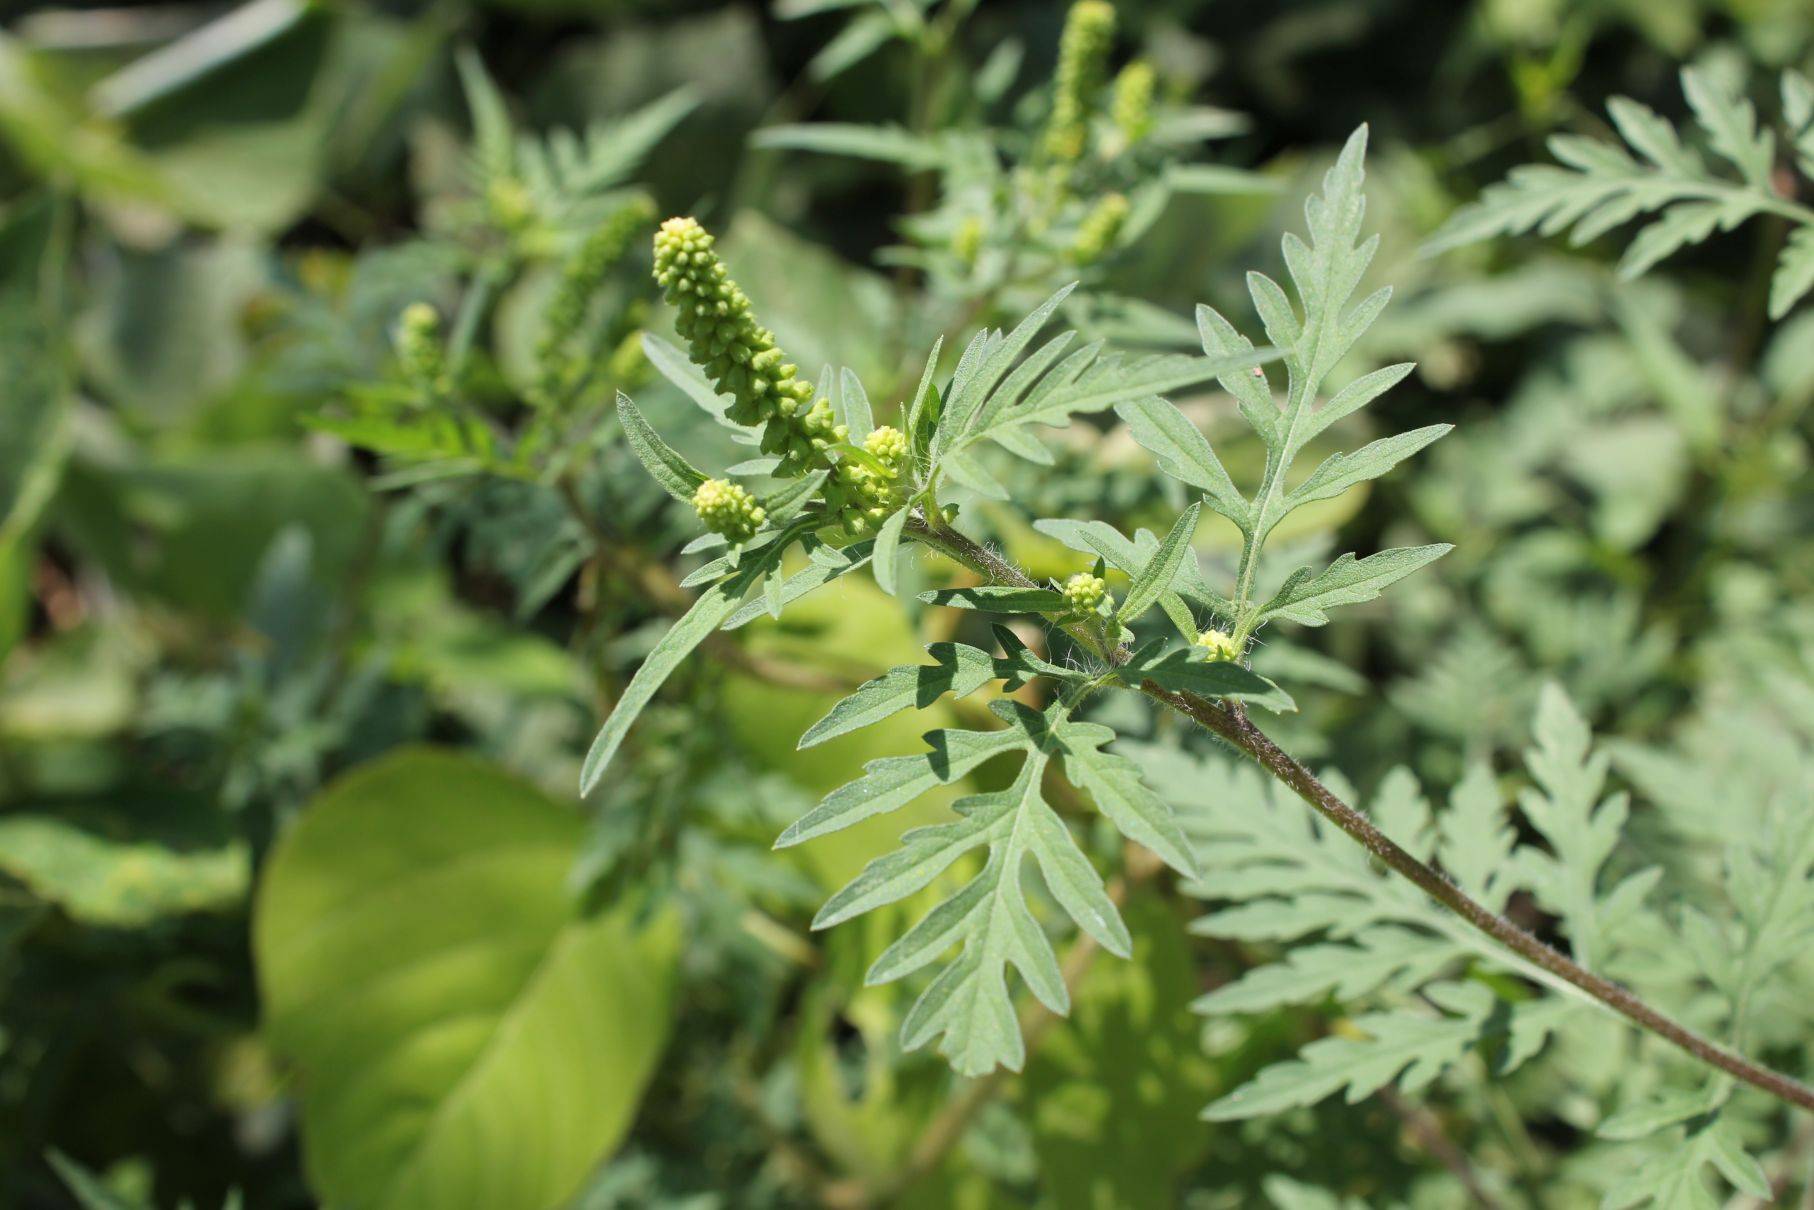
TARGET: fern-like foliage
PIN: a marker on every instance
(1691, 191)
(1017, 212)
(1313, 338)
(1435, 992)
(564, 181)
(968, 1005)
(1005, 386)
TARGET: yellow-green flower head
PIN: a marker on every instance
(1097, 233)
(418, 345)
(727, 509)
(967, 242)
(889, 444)
(509, 202)
(1083, 51)
(859, 495)
(1083, 592)
(1219, 645)
(1132, 107)
(738, 354)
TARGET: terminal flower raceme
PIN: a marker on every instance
(1132, 106)
(1083, 51)
(419, 351)
(1097, 232)
(579, 282)
(738, 354)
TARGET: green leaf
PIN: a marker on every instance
(985, 398)
(1103, 540)
(853, 406)
(1155, 578)
(1191, 672)
(676, 475)
(89, 1190)
(956, 669)
(1794, 275)
(861, 37)
(986, 363)
(1112, 1094)
(894, 781)
(673, 365)
(494, 143)
(1306, 599)
(567, 168)
(887, 549)
(1731, 126)
(462, 1035)
(998, 599)
(1672, 1175)
(114, 883)
(1114, 784)
(889, 144)
(1477, 838)
(827, 564)
(713, 608)
(1397, 1048)
(1669, 1108)
(1184, 454)
(1339, 472)
(1379, 956)
(1567, 809)
(968, 1005)
(1602, 185)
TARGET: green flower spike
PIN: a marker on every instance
(419, 349)
(1084, 592)
(967, 242)
(728, 509)
(579, 282)
(1083, 51)
(724, 339)
(1220, 646)
(1132, 107)
(1097, 232)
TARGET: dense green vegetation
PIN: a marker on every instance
(1129, 604)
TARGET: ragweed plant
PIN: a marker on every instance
(1017, 211)
(1004, 386)
(1693, 187)
(556, 210)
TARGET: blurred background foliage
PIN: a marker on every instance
(296, 680)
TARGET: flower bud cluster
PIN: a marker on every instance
(1132, 107)
(579, 282)
(967, 241)
(1083, 592)
(728, 509)
(1097, 233)
(740, 356)
(1083, 51)
(419, 350)
(860, 495)
(1219, 645)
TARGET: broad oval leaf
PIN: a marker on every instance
(463, 1035)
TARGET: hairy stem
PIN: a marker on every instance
(1233, 726)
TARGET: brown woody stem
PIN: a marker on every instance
(1233, 726)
